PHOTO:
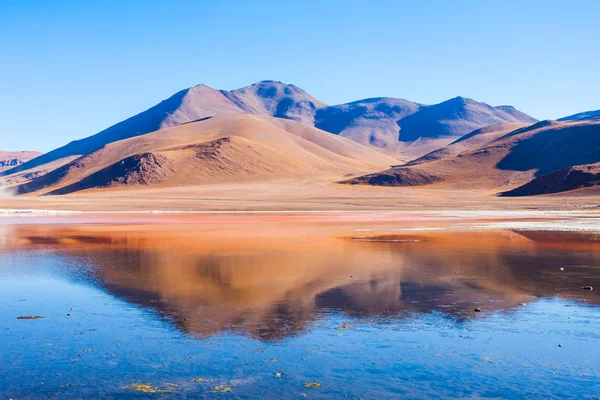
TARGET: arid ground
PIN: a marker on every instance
(294, 196)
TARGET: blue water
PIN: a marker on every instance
(111, 341)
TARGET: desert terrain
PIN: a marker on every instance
(272, 147)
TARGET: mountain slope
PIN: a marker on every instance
(470, 141)
(587, 115)
(563, 180)
(216, 150)
(504, 163)
(11, 159)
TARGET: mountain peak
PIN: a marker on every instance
(202, 86)
(460, 100)
(272, 87)
(280, 100)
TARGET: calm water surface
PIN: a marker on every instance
(296, 310)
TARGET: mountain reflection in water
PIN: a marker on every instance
(273, 283)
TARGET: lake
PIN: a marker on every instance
(270, 307)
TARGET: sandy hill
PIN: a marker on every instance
(222, 149)
(393, 123)
(11, 159)
(504, 163)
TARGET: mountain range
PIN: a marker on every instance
(376, 122)
(271, 130)
(502, 159)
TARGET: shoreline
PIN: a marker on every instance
(372, 220)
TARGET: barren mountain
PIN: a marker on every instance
(504, 163)
(393, 123)
(187, 105)
(369, 121)
(398, 126)
(268, 98)
(11, 159)
(456, 117)
(220, 149)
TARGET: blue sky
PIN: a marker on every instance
(72, 68)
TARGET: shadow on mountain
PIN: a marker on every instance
(555, 149)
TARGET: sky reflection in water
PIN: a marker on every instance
(250, 311)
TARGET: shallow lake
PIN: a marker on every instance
(263, 309)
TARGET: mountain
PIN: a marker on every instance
(185, 106)
(455, 117)
(505, 162)
(222, 149)
(370, 121)
(376, 122)
(587, 115)
(193, 104)
(563, 180)
(391, 123)
(11, 159)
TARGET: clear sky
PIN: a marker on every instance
(72, 68)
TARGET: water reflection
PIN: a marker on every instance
(272, 283)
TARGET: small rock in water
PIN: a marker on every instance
(522, 304)
(477, 309)
(560, 345)
(68, 315)
(588, 288)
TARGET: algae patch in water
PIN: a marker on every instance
(312, 384)
(144, 388)
(222, 389)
